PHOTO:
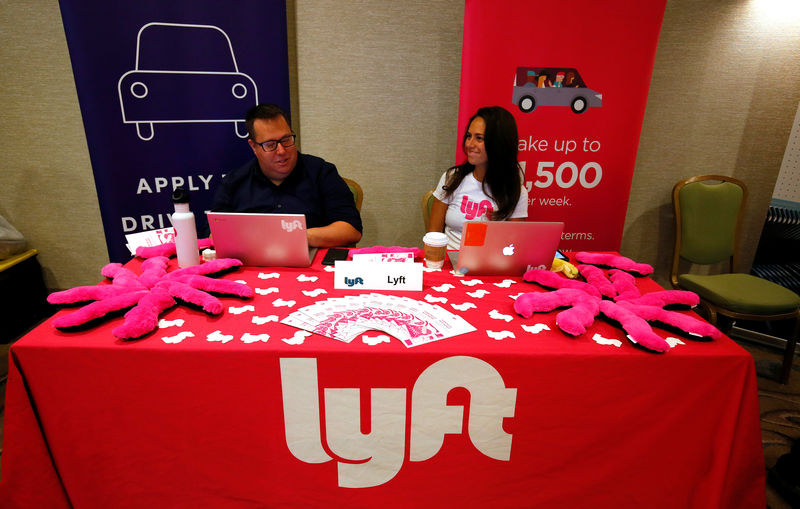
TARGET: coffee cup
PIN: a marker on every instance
(435, 249)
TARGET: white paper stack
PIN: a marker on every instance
(411, 321)
(149, 238)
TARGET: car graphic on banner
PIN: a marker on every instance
(184, 74)
(553, 86)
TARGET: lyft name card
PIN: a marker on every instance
(377, 276)
(384, 257)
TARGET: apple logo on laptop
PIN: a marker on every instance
(508, 250)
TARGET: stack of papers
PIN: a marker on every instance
(149, 238)
(411, 321)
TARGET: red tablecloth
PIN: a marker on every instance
(93, 422)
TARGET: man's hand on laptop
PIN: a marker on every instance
(338, 233)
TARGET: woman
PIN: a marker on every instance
(488, 186)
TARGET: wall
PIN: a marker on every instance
(378, 96)
(375, 90)
(46, 184)
(722, 101)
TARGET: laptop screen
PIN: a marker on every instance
(261, 240)
(507, 248)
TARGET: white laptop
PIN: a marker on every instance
(261, 240)
(507, 248)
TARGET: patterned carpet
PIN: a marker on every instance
(779, 405)
(780, 410)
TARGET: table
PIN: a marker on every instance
(548, 420)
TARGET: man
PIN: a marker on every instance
(280, 180)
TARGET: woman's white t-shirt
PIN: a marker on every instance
(469, 203)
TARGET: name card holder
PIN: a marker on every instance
(377, 276)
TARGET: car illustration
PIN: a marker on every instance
(184, 74)
(553, 86)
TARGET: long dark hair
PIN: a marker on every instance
(503, 178)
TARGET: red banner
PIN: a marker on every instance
(575, 76)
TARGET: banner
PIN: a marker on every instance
(575, 76)
(163, 89)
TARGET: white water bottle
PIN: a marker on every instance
(185, 230)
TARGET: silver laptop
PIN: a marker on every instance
(507, 248)
(261, 240)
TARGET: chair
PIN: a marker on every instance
(358, 193)
(708, 217)
(427, 205)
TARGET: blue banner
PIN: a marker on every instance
(163, 89)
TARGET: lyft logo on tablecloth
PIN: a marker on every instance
(381, 452)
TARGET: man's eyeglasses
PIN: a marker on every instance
(271, 145)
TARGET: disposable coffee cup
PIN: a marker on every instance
(435, 249)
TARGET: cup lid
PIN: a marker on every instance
(435, 239)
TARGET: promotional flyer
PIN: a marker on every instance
(575, 76)
(163, 89)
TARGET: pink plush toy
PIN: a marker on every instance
(623, 302)
(624, 285)
(639, 331)
(664, 298)
(148, 294)
(596, 278)
(699, 329)
(574, 321)
(554, 280)
(615, 261)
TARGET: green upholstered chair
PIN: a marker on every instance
(708, 216)
(358, 193)
(427, 205)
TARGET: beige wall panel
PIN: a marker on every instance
(722, 101)
(46, 182)
(378, 86)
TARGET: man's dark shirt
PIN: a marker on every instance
(313, 188)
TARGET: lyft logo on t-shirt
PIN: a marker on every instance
(473, 209)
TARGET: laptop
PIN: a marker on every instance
(261, 240)
(507, 248)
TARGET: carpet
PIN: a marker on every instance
(780, 409)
